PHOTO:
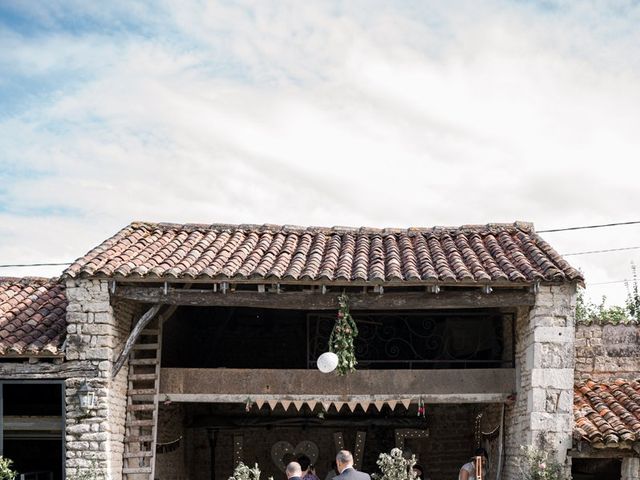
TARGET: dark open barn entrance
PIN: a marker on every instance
(595, 468)
(241, 384)
(205, 441)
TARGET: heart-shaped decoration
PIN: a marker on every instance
(281, 448)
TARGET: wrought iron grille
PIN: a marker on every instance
(418, 340)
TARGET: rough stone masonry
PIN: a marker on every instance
(94, 442)
(542, 412)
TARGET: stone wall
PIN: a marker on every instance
(94, 331)
(542, 412)
(630, 469)
(606, 352)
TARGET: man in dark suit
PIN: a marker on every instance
(344, 462)
(293, 471)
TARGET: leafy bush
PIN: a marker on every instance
(588, 312)
(6, 472)
(632, 303)
(535, 464)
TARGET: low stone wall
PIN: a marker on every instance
(605, 352)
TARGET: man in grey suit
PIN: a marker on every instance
(293, 471)
(344, 462)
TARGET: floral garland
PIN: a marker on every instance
(342, 336)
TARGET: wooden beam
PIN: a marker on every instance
(133, 336)
(450, 299)
(438, 398)
(586, 451)
(439, 385)
(35, 423)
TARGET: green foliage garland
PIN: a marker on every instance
(342, 336)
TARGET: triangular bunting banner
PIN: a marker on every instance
(326, 406)
(312, 404)
(365, 405)
(406, 402)
(285, 404)
(352, 406)
(272, 404)
(298, 404)
(379, 404)
(259, 403)
(338, 405)
(392, 404)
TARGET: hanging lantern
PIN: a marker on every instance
(327, 362)
(86, 397)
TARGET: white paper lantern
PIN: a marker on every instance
(327, 362)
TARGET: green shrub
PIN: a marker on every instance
(6, 472)
(536, 464)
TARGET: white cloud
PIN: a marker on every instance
(413, 114)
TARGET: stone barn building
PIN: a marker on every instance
(176, 351)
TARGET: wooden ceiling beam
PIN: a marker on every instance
(307, 300)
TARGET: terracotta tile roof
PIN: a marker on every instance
(607, 415)
(487, 254)
(32, 316)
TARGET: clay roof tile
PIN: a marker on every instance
(32, 316)
(481, 254)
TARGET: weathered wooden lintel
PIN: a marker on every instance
(439, 385)
(584, 450)
(452, 299)
(450, 398)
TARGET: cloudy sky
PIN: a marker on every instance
(376, 113)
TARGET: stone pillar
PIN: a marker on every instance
(549, 359)
(94, 440)
(630, 468)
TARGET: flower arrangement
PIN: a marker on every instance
(538, 464)
(244, 472)
(342, 336)
(394, 466)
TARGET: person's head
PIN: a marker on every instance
(305, 462)
(344, 459)
(293, 470)
(482, 453)
(419, 471)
